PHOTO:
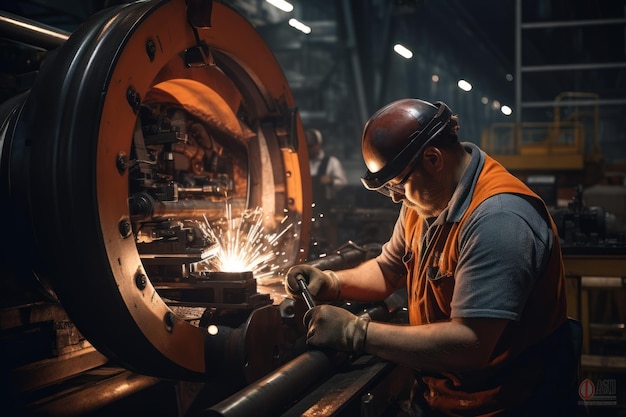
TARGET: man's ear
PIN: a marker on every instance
(432, 159)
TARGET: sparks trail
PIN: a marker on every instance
(244, 244)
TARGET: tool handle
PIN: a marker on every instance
(308, 299)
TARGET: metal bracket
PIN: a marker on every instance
(199, 17)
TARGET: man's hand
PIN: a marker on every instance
(335, 328)
(323, 285)
(326, 180)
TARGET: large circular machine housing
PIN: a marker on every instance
(70, 145)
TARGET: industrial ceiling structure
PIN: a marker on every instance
(521, 54)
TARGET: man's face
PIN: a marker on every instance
(415, 191)
(314, 150)
(394, 189)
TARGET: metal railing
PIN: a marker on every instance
(565, 143)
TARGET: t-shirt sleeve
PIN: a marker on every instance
(503, 248)
(336, 172)
(390, 258)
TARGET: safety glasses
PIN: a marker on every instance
(418, 141)
(397, 189)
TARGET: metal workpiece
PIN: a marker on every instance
(304, 290)
(347, 256)
(269, 395)
(144, 207)
(318, 383)
(119, 385)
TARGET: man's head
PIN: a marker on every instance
(313, 142)
(395, 137)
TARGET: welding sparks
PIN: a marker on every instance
(245, 245)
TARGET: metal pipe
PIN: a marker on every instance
(574, 67)
(351, 45)
(143, 207)
(347, 256)
(186, 208)
(28, 31)
(555, 103)
(282, 387)
(96, 396)
(518, 66)
(573, 23)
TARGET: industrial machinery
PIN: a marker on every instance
(155, 188)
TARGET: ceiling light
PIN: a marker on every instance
(403, 51)
(283, 5)
(464, 85)
(506, 110)
(299, 25)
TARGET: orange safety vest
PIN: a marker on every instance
(498, 385)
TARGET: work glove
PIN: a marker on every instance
(335, 328)
(323, 285)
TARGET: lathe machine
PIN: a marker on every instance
(155, 189)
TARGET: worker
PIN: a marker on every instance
(479, 256)
(327, 178)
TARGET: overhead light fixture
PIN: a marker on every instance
(283, 5)
(464, 85)
(506, 110)
(300, 26)
(403, 51)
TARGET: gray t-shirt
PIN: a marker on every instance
(503, 248)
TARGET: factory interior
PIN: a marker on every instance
(155, 183)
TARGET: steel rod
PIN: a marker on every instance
(28, 31)
(276, 390)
